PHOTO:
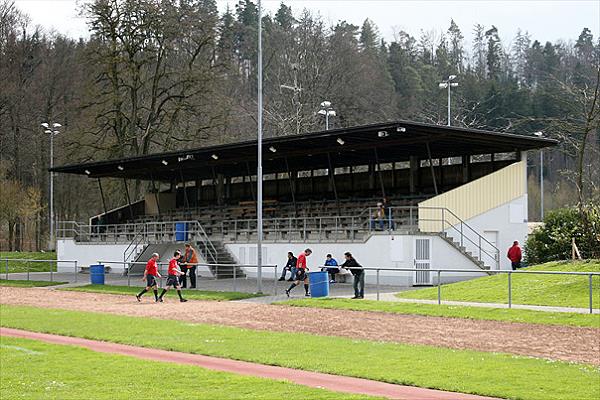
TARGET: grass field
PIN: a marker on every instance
(188, 294)
(24, 266)
(549, 290)
(480, 313)
(492, 374)
(21, 283)
(47, 371)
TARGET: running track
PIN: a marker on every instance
(313, 379)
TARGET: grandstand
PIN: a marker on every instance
(456, 198)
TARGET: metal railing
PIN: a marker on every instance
(296, 228)
(28, 271)
(443, 221)
(162, 269)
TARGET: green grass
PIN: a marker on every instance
(38, 370)
(548, 290)
(24, 266)
(479, 313)
(492, 374)
(22, 283)
(188, 294)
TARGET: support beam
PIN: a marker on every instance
(466, 168)
(379, 173)
(250, 181)
(332, 178)
(155, 194)
(292, 185)
(102, 195)
(431, 167)
(186, 202)
(413, 174)
(128, 199)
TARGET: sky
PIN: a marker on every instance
(548, 20)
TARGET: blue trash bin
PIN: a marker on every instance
(181, 234)
(97, 274)
(319, 284)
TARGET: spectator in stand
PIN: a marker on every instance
(514, 255)
(378, 217)
(188, 264)
(359, 275)
(330, 262)
(290, 266)
(301, 273)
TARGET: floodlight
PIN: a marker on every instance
(382, 133)
(165, 162)
(400, 129)
(340, 141)
(322, 112)
(45, 125)
(326, 104)
(272, 149)
(56, 125)
(443, 85)
(120, 168)
(331, 112)
(215, 157)
(87, 172)
(451, 77)
(47, 131)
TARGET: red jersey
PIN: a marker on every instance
(173, 267)
(301, 262)
(152, 267)
(514, 254)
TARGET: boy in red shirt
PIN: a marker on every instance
(150, 274)
(173, 278)
(301, 274)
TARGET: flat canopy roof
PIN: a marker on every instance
(359, 145)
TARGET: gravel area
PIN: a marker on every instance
(545, 341)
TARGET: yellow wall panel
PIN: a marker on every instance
(474, 198)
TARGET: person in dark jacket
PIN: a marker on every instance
(359, 275)
(290, 266)
(331, 266)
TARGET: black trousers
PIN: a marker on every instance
(183, 278)
(192, 273)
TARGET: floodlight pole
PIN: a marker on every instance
(447, 84)
(541, 185)
(51, 129)
(259, 176)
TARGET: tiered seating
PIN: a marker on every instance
(346, 219)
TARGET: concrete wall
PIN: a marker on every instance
(87, 254)
(384, 251)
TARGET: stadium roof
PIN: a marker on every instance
(359, 145)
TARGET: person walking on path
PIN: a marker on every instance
(359, 275)
(301, 273)
(330, 263)
(290, 266)
(173, 277)
(150, 274)
(515, 255)
(189, 263)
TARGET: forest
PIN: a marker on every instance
(159, 75)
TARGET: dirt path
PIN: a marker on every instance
(313, 379)
(552, 342)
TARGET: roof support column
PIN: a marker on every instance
(332, 178)
(379, 173)
(128, 198)
(155, 194)
(102, 195)
(220, 188)
(250, 181)
(466, 168)
(186, 201)
(292, 182)
(413, 179)
(431, 167)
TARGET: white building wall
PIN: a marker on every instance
(87, 254)
(379, 251)
(509, 221)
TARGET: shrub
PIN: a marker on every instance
(552, 241)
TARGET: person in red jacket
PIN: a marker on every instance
(514, 255)
(301, 273)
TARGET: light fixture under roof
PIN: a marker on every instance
(382, 133)
(272, 149)
(340, 141)
(87, 172)
(120, 168)
(400, 129)
(165, 162)
(215, 157)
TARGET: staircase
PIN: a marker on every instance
(226, 263)
(462, 249)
